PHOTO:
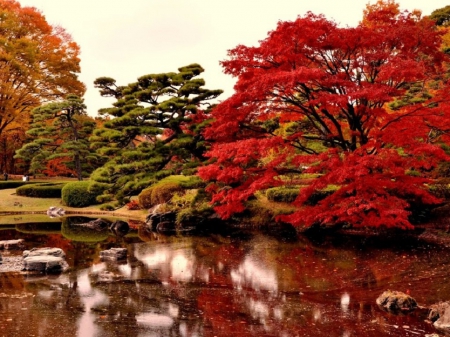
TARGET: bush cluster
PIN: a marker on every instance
(162, 191)
(290, 193)
(44, 190)
(158, 194)
(77, 194)
(13, 184)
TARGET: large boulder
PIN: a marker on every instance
(114, 254)
(154, 219)
(45, 260)
(396, 302)
(119, 228)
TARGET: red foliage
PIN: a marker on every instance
(316, 98)
(58, 167)
(133, 205)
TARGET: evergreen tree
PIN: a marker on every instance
(154, 130)
(59, 135)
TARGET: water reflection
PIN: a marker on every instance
(254, 274)
(218, 286)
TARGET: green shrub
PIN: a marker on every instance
(290, 193)
(282, 194)
(164, 190)
(42, 190)
(192, 182)
(77, 194)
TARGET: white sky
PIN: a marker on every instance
(125, 39)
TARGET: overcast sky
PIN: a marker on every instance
(125, 39)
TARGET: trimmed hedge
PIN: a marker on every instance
(14, 184)
(77, 194)
(45, 190)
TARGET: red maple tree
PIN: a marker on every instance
(365, 109)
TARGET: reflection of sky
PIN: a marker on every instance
(252, 273)
(181, 268)
(178, 263)
(345, 302)
(90, 297)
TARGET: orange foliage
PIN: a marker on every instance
(38, 62)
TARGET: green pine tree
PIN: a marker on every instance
(154, 130)
(61, 130)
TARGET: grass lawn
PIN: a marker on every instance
(10, 202)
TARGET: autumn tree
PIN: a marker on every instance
(10, 141)
(317, 98)
(154, 130)
(38, 62)
(60, 145)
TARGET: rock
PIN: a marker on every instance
(58, 252)
(154, 219)
(55, 211)
(396, 302)
(166, 227)
(439, 314)
(11, 244)
(119, 228)
(114, 254)
(45, 260)
(45, 264)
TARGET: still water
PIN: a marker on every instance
(239, 284)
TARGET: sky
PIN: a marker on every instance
(127, 39)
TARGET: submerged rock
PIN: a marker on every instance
(11, 244)
(45, 260)
(114, 254)
(58, 252)
(396, 302)
(439, 314)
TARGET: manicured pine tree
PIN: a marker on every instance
(59, 135)
(154, 130)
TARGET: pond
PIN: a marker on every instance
(241, 284)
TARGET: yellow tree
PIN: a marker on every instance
(38, 62)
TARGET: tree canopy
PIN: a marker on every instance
(154, 129)
(59, 144)
(363, 109)
(38, 62)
